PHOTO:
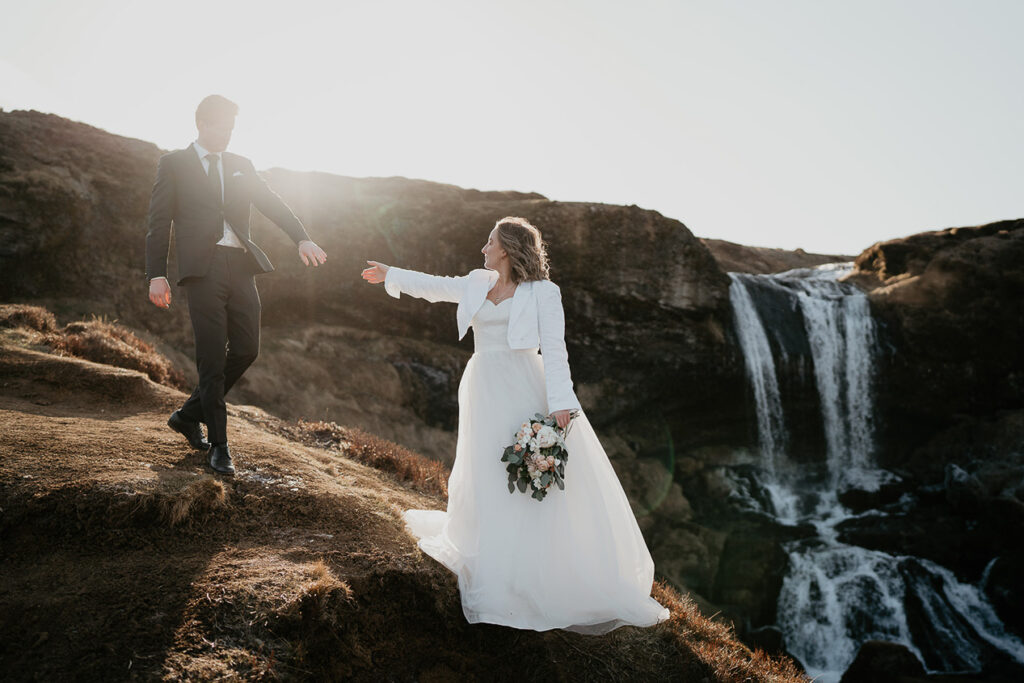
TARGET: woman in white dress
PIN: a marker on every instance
(575, 560)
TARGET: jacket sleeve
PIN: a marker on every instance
(161, 213)
(433, 288)
(270, 204)
(551, 321)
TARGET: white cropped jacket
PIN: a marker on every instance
(536, 318)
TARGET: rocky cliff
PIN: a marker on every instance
(950, 301)
(739, 258)
(951, 402)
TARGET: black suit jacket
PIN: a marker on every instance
(184, 196)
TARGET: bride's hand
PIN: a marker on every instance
(376, 273)
(562, 417)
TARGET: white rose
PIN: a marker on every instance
(547, 437)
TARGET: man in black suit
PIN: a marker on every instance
(207, 194)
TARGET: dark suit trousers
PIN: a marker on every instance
(225, 310)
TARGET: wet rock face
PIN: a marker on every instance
(878, 661)
(962, 506)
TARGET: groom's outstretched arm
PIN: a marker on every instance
(270, 204)
(161, 213)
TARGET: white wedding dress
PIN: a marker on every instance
(575, 560)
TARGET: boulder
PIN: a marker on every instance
(881, 662)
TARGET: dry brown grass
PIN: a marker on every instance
(273, 617)
(31, 317)
(184, 501)
(422, 473)
(97, 340)
(315, 594)
(104, 342)
(716, 644)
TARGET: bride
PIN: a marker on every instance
(575, 560)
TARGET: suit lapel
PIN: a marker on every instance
(230, 166)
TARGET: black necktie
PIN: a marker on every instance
(214, 176)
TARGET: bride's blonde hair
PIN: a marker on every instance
(527, 253)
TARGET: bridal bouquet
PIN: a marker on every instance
(536, 459)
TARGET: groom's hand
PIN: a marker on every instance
(311, 254)
(160, 292)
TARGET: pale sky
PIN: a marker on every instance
(820, 124)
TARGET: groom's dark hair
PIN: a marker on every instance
(216, 108)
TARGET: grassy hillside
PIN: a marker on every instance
(126, 558)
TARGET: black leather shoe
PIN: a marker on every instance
(220, 459)
(191, 430)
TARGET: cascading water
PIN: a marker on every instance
(760, 365)
(836, 596)
(757, 355)
(841, 334)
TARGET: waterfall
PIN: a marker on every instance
(757, 356)
(841, 334)
(835, 596)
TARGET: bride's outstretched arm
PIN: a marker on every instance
(414, 283)
(552, 348)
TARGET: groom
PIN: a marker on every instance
(207, 193)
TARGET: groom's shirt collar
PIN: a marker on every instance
(200, 150)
